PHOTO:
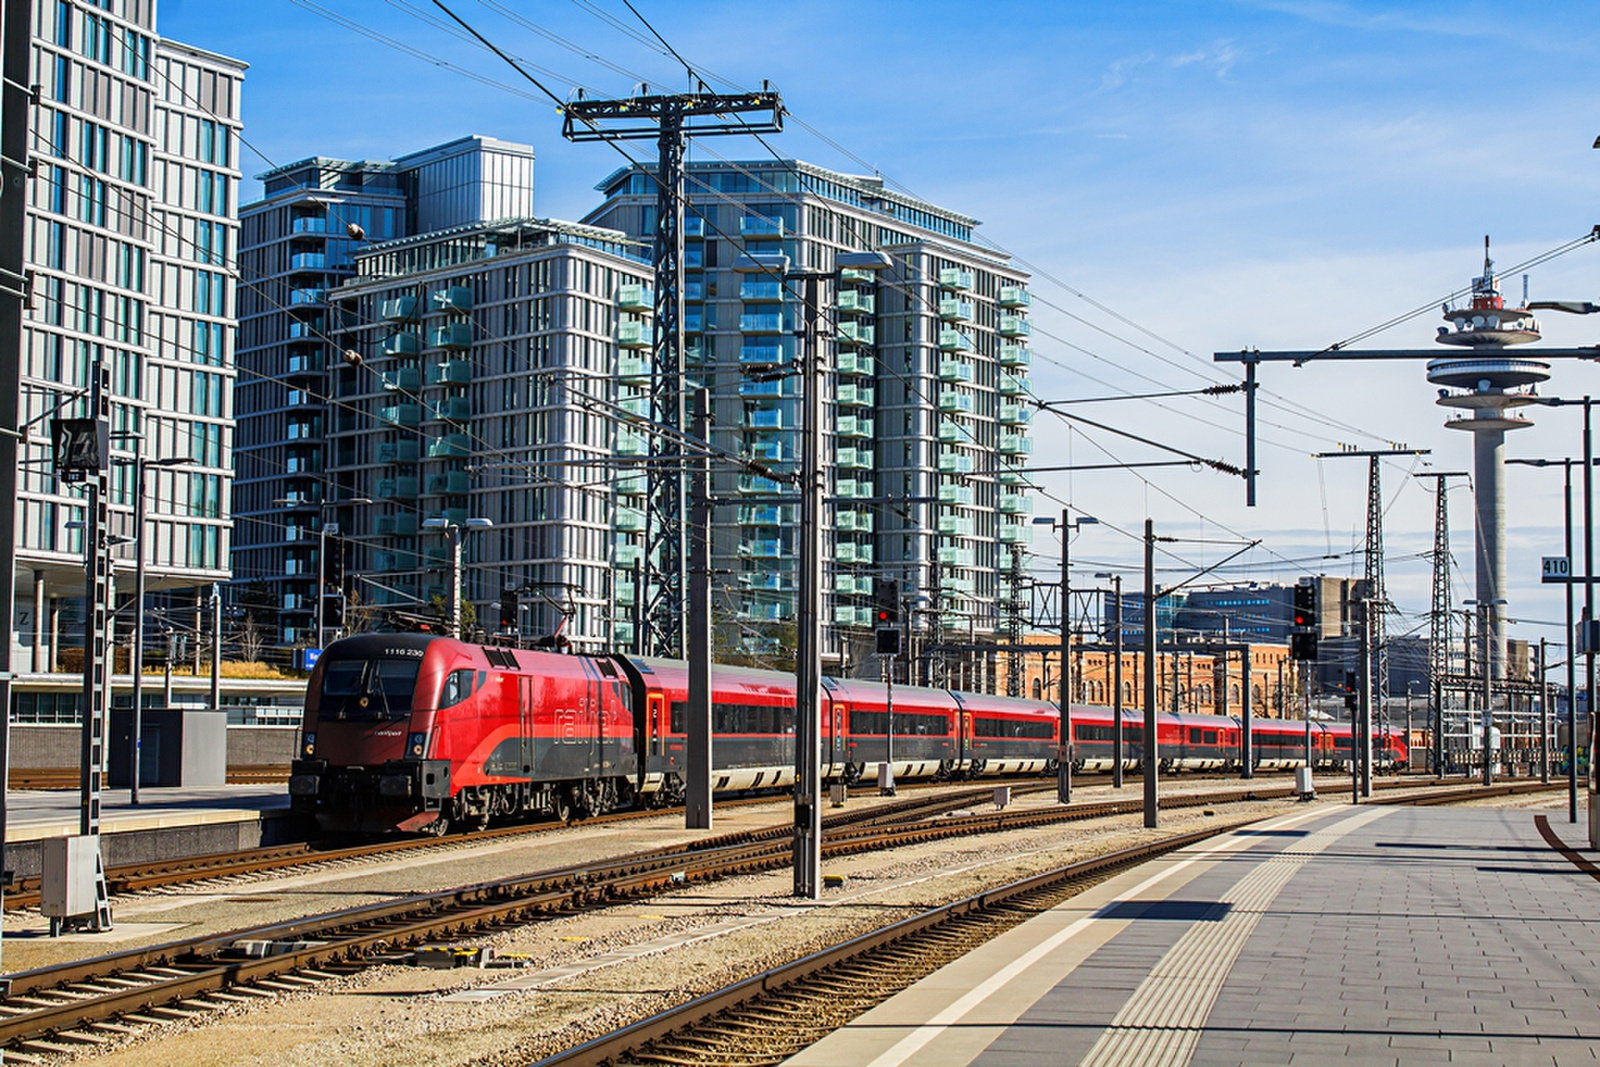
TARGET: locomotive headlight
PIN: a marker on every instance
(310, 743)
(415, 743)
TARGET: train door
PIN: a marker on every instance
(964, 750)
(835, 740)
(525, 721)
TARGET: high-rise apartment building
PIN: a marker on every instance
(297, 245)
(490, 398)
(132, 227)
(490, 371)
(925, 407)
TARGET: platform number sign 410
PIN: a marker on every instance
(1556, 569)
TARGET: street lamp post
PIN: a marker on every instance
(1116, 683)
(136, 740)
(453, 531)
(1588, 591)
(1064, 748)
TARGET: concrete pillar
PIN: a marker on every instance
(1488, 455)
(41, 653)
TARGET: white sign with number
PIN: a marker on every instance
(1556, 569)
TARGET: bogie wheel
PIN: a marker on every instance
(564, 810)
(438, 827)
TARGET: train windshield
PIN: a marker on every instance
(368, 689)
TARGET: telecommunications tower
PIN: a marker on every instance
(1487, 386)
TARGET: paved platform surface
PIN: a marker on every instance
(51, 813)
(1371, 935)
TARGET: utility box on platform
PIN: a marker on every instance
(1302, 784)
(68, 868)
(178, 747)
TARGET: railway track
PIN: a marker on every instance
(300, 857)
(304, 856)
(92, 1001)
(768, 1017)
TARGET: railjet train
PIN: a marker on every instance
(418, 733)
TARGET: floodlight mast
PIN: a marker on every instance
(670, 119)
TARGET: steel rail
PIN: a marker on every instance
(183, 970)
(639, 1036)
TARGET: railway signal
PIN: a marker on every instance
(1305, 605)
(508, 611)
(1303, 646)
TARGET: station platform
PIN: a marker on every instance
(1373, 935)
(166, 824)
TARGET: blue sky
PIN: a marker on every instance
(1278, 174)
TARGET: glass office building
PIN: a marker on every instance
(132, 229)
(297, 246)
(925, 417)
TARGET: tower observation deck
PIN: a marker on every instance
(1487, 384)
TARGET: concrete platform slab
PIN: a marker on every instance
(1367, 934)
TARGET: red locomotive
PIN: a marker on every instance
(421, 733)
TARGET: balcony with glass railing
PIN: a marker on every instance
(760, 227)
(760, 355)
(955, 494)
(955, 370)
(954, 341)
(764, 419)
(855, 363)
(450, 446)
(634, 335)
(453, 299)
(852, 302)
(761, 290)
(1014, 296)
(452, 335)
(951, 310)
(856, 396)
(1015, 326)
(398, 309)
(857, 333)
(853, 426)
(1015, 356)
(953, 401)
(846, 552)
(853, 459)
(955, 278)
(407, 415)
(761, 548)
(404, 451)
(761, 323)
(402, 344)
(402, 488)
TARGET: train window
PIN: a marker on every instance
(368, 689)
(457, 687)
(1211, 737)
(343, 679)
(1194, 735)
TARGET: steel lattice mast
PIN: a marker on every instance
(1372, 660)
(1376, 610)
(1439, 612)
(670, 120)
